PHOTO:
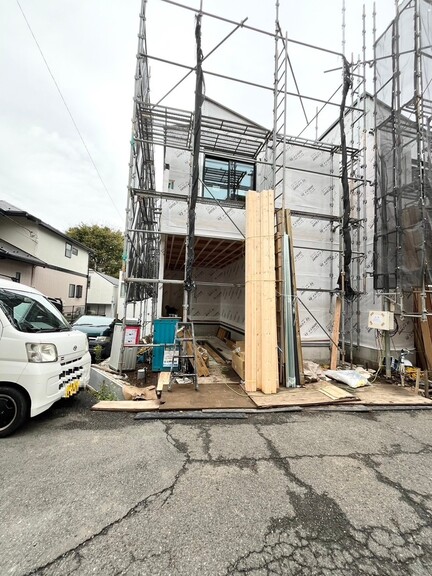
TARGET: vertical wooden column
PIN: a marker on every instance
(269, 361)
(334, 356)
(251, 323)
(261, 360)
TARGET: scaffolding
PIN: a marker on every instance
(275, 154)
(403, 109)
(403, 211)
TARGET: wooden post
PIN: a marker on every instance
(417, 384)
(334, 356)
(251, 321)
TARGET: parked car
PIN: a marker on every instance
(99, 331)
(41, 358)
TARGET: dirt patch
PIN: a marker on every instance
(151, 378)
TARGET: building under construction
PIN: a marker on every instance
(345, 230)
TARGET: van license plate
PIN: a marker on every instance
(72, 389)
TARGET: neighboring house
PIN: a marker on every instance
(36, 254)
(102, 294)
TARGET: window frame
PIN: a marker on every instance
(232, 194)
(68, 250)
(71, 293)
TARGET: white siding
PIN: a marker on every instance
(102, 292)
(20, 232)
(51, 249)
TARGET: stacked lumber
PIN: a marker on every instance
(201, 368)
(261, 361)
(238, 359)
(423, 331)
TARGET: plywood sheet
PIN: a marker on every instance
(185, 397)
(126, 405)
(317, 393)
(380, 394)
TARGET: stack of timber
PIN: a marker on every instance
(261, 359)
(238, 359)
(201, 368)
(423, 329)
(288, 325)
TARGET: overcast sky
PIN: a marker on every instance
(90, 47)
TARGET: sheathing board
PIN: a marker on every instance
(212, 221)
(212, 303)
(312, 186)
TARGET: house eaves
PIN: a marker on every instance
(11, 252)
(10, 211)
(110, 279)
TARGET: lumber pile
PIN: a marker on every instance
(423, 331)
(238, 359)
(201, 368)
(261, 360)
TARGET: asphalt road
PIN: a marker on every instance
(306, 494)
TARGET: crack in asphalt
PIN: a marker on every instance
(405, 493)
(139, 507)
(318, 540)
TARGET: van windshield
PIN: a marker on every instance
(31, 312)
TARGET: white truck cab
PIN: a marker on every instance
(42, 359)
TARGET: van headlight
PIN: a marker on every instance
(102, 339)
(41, 352)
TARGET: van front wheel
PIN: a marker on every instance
(13, 410)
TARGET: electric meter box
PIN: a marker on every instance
(381, 320)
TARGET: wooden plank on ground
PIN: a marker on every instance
(334, 356)
(126, 405)
(185, 397)
(382, 394)
(214, 354)
(310, 395)
(333, 392)
(163, 380)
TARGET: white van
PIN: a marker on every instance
(42, 359)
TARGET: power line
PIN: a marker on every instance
(68, 111)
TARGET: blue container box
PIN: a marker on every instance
(163, 333)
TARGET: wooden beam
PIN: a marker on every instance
(251, 322)
(334, 356)
(268, 339)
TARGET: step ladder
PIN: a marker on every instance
(184, 356)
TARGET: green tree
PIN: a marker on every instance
(106, 244)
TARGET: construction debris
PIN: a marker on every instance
(351, 378)
(136, 393)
